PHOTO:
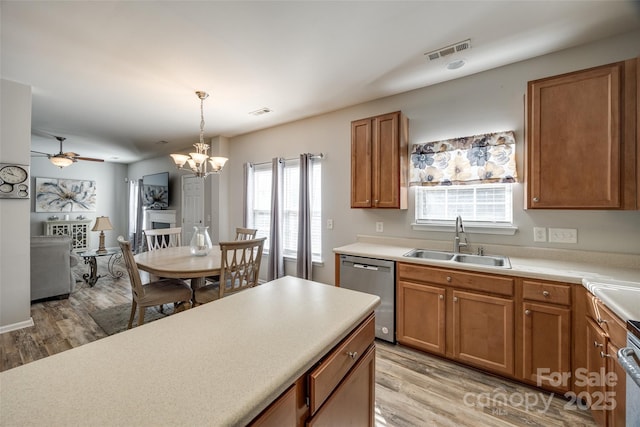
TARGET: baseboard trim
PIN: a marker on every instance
(16, 326)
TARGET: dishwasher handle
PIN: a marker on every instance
(626, 359)
(365, 267)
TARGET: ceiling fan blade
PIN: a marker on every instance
(40, 152)
(70, 154)
(91, 159)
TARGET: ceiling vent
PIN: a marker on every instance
(261, 111)
(449, 50)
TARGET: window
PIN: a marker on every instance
(262, 206)
(483, 203)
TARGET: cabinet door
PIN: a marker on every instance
(361, 164)
(386, 161)
(574, 139)
(596, 367)
(353, 401)
(421, 316)
(546, 345)
(483, 331)
(282, 412)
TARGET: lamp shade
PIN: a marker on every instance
(102, 223)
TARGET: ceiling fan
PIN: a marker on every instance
(65, 159)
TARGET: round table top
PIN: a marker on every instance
(178, 262)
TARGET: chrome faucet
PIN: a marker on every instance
(456, 240)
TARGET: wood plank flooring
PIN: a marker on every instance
(412, 388)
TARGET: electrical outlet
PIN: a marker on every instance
(379, 227)
(563, 235)
(539, 234)
(329, 224)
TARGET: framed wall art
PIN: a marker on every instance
(65, 195)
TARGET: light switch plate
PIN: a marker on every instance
(379, 227)
(563, 235)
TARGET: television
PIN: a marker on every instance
(155, 191)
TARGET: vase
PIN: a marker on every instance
(200, 242)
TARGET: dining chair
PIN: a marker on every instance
(164, 291)
(239, 270)
(241, 234)
(158, 238)
(245, 233)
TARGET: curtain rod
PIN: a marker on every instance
(313, 156)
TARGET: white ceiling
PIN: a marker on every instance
(117, 77)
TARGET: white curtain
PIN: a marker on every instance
(276, 258)
(304, 255)
(247, 206)
(135, 215)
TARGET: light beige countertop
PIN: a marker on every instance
(579, 267)
(221, 363)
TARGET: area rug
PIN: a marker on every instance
(114, 319)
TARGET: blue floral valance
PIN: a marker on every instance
(477, 159)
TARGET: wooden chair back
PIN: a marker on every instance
(245, 233)
(159, 238)
(137, 289)
(240, 265)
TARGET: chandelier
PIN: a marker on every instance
(199, 162)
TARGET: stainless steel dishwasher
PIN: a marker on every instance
(377, 277)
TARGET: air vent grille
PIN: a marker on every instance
(261, 111)
(449, 50)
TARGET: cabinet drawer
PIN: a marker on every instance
(325, 377)
(546, 292)
(473, 281)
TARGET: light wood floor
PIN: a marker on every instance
(412, 388)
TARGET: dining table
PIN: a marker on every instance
(178, 262)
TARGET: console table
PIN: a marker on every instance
(78, 230)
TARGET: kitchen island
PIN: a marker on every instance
(221, 363)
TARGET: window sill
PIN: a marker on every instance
(505, 230)
(288, 258)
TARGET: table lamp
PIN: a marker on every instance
(102, 223)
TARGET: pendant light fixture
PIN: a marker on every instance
(200, 163)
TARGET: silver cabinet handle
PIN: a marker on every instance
(527, 312)
(352, 354)
(365, 267)
(597, 344)
(535, 199)
(545, 293)
(448, 278)
(441, 296)
(601, 321)
(603, 354)
(455, 299)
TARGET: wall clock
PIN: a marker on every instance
(14, 181)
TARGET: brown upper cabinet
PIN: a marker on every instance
(582, 139)
(379, 157)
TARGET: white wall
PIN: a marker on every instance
(485, 102)
(111, 195)
(15, 143)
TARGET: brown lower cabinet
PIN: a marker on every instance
(515, 327)
(468, 317)
(339, 390)
(546, 334)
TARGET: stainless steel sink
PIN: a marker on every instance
(426, 254)
(492, 260)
